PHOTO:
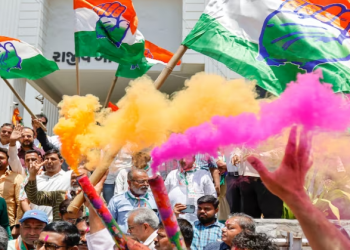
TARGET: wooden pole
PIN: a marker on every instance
(77, 74)
(22, 102)
(170, 66)
(94, 179)
(115, 79)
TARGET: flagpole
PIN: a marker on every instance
(170, 66)
(77, 74)
(115, 79)
(22, 102)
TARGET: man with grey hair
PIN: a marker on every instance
(142, 224)
(238, 222)
(137, 196)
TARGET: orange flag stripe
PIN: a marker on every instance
(129, 14)
(158, 53)
(5, 38)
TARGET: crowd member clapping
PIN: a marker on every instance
(142, 224)
(32, 224)
(206, 229)
(10, 185)
(58, 235)
(234, 225)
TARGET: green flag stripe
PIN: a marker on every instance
(32, 68)
(210, 38)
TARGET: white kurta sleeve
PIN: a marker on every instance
(100, 240)
(14, 161)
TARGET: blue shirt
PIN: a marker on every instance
(121, 204)
(205, 161)
(217, 246)
(203, 235)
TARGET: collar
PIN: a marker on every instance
(34, 148)
(150, 238)
(215, 224)
(7, 172)
(224, 246)
(189, 170)
(130, 195)
(58, 174)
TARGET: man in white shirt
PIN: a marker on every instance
(5, 134)
(53, 179)
(186, 185)
(142, 224)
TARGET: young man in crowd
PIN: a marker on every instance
(82, 224)
(10, 186)
(26, 138)
(137, 196)
(32, 223)
(206, 229)
(186, 185)
(52, 179)
(58, 235)
(142, 224)
(5, 134)
(234, 225)
(162, 242)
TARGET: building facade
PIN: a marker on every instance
(49, 26)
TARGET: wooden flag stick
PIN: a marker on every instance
(170, 66)
(22, 102)
(115, 79)
(77, 74)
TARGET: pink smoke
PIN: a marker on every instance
(306, 102)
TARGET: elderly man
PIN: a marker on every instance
(142, 224)
(32, 224)
(234, 225)
(137, 196)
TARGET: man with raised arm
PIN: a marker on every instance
(287, 182)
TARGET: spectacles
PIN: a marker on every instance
(141, 181)
(48, 246)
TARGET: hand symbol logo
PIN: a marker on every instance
(9, 58)
(305, 34)
(111, 24)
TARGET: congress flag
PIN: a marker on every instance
(19, 59)
(108, 29)
(272, 41)
(153, 54)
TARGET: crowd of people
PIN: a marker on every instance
(215, 199)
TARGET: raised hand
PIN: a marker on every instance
(306, 34)
(287, 181)
(16, 134)
(9, 58)
(111, 24)
(35, 167)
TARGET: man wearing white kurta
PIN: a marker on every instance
(187, 184)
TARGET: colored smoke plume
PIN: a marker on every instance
(146, 117)
(307, 103)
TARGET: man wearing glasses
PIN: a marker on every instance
(32, 223)
(58, 235)
(236, 224)
(137, 196)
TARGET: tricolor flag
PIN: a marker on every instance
(271, 41)
(21, 60)
(108, 29)
(153, 54)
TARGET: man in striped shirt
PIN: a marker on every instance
(206, 229)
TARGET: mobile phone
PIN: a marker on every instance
(189, 209)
